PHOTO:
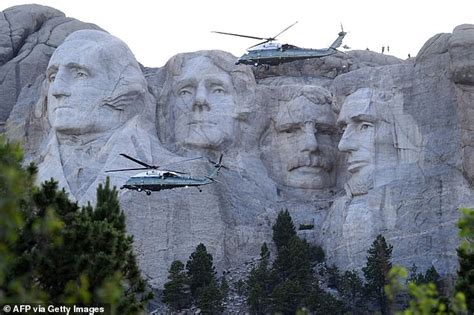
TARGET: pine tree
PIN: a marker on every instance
(203, 283)
(177, 294)
(16, 187)
(431, 275)
(283, 229)
(351, 288)
(52, 251)
(200, 269)
(292, 272)
(89, 253)
(287, 297)
(376, 271)
(209, 299)
(224, 287)
(259, 284)
(465, 281)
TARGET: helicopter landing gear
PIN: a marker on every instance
(148, 192)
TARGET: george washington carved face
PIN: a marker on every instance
(93, 84)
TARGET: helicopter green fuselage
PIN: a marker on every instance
(281, 55)
(156, 181)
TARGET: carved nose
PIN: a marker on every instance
(201, 105)
(309, 141)
(347, 142)
(200, 101)
(59, 88)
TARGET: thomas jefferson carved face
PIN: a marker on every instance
(203, 105)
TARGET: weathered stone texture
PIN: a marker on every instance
(29, 34)
(354, 144)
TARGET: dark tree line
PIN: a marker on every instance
(195, 285)
(299, 279)
(54, 251)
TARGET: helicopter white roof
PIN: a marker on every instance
(267, 46)
(153, 173)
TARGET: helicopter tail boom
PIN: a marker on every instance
(338, 42)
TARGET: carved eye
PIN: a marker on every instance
(341, 129)
(81, 74)
(323, 130)
(184, 92)
(365, 126)
(51, 77)
(218, 90)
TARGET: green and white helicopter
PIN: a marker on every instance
(155, 180)
(271, 53)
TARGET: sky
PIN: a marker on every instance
(158, 30)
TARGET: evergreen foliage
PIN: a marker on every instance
(53, 251)
(259, 284)
(351, 288)
(16, 185)
(202, 279)
(200, 269)
(376, 271)
(283, 230)
(209, 298)
(431, 275)
(177, 293)
(465, 281)
(424, 297)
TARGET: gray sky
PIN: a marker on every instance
(157, 30)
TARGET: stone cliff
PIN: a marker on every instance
(355, 144)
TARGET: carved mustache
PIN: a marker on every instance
(312, 160)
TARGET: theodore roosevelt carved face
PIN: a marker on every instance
(300, 143)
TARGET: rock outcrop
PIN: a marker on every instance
(29, 34)
(353, 145)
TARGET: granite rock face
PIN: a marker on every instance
(29, 34)
(354, 145)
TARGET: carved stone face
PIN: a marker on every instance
(304, 144)
(203, 105)
(358, 140)
(79, 80)
(461, 51)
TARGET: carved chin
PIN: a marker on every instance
(360, 183)
(207, 141)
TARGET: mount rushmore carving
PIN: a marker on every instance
(358, 144)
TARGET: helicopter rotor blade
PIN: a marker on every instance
(182, 161)
(217, 164)
(127, 169)
(261, 43)
(273, 38)
(213, 179)
(140, 162)
(247, 36)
